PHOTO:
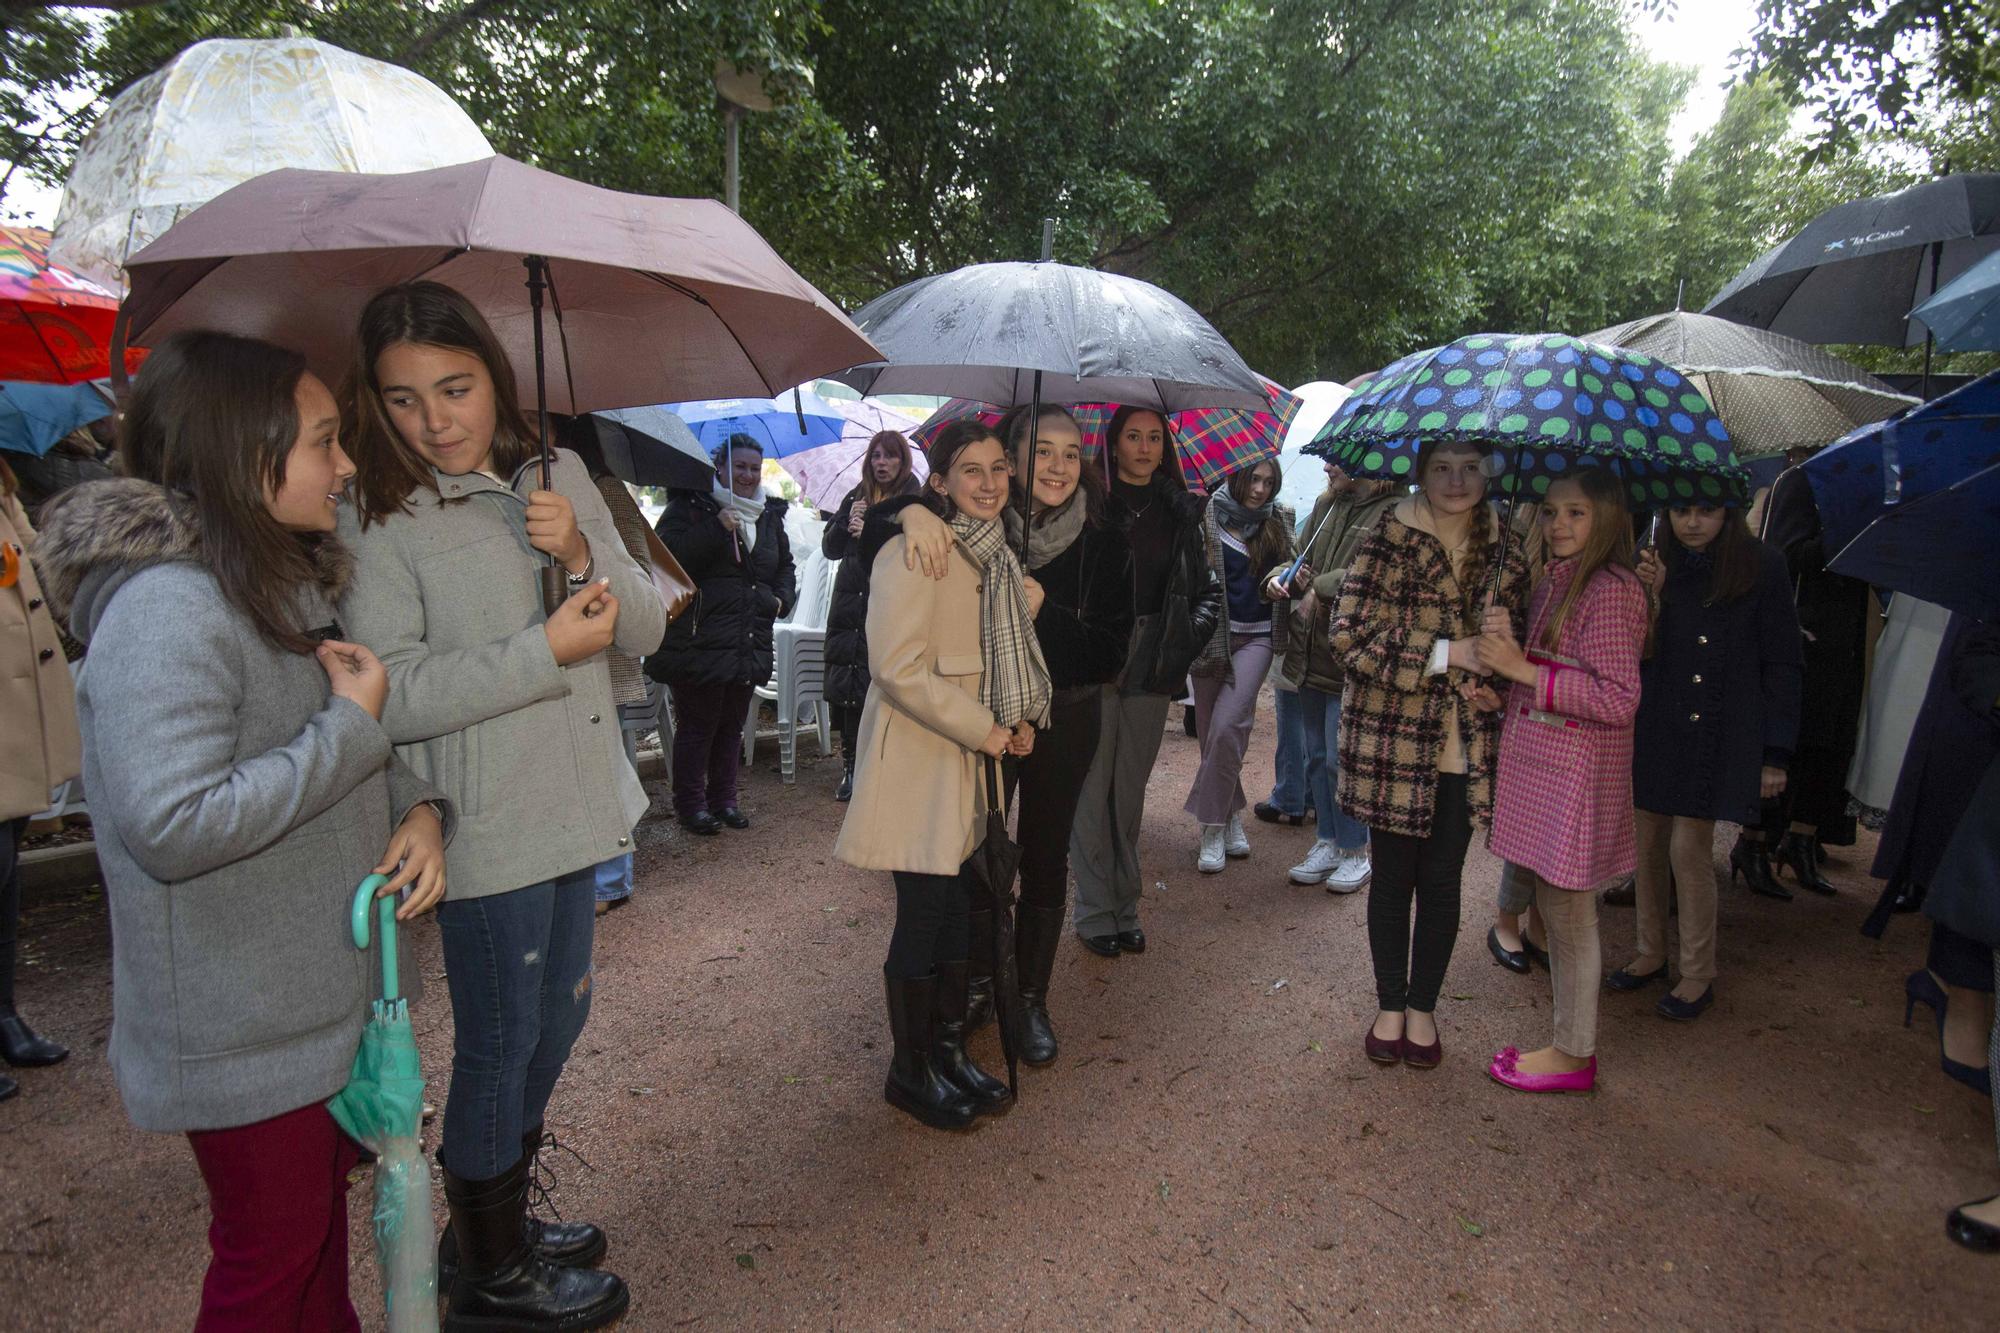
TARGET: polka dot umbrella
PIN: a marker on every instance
(1552, 403)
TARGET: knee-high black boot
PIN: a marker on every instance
(989, 1095)
(1037, 932)
(914, 1084)
(564, 1244)
(501, 1281)
(979, 986)
(20, 1045)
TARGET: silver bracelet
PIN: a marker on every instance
(589, 567)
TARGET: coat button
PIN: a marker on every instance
(46, 654)
(593, 717)
(1694, 717)
(1701, 638)
(34, 603)
(1697, 680)
(624, 842)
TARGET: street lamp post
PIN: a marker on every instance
(741, 88)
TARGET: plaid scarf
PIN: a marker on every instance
(1016, 680)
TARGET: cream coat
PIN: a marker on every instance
(39, 746)
(917, 776)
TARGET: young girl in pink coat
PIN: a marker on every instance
(1563, 800)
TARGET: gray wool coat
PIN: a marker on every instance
(529, 752)
(237, 805)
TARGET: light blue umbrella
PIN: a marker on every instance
(1964, 314)
(34, 416)
(790, 424)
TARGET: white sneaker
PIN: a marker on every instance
(1352, 872)
(1319, 863)
(1237, 843)
(1211, 859)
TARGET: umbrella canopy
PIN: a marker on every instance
(382, 1108)
(1304, 475)
(657, 299)
(783, 426)
(34, 416)
(1892, 463)
(1940, 547)
(650, 446)
(1557, 402)
(1965, 313)
(224, 111)
(1772, 392)
(983, 332)
(827, 472)
(55, 326)
(1209, 442)
(1852, 274)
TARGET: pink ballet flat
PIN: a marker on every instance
(1506, 1069)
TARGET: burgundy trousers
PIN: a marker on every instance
(277, 1234)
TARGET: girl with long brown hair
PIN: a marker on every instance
(1563, 797)
(887, 473)
(509, 709)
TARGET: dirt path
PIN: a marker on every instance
(1211, 1151)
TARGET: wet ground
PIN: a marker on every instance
(1212, 1150)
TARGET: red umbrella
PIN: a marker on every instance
(55, 327)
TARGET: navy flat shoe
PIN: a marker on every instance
(1685, 1011)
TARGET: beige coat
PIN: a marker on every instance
(918, 773)
(39, 746)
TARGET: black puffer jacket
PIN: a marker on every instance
(741, 589)
(1085, 624)
(847, 615)
(1166, 642)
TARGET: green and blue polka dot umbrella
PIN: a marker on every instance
(1552, 403)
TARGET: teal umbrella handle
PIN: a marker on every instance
(386, 910)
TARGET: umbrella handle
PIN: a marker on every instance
(385, 909)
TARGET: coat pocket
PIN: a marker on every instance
(960, 664)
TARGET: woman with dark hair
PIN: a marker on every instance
(886, 473)
(1248, 536)
(957, 674)
(1176, 602)
(1416, 751)
(241, 788)
(40, 753)
(509, 709)
(731, 541)
(1718, 711)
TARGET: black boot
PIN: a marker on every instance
(1037, 931)
(1798, 853)
(564, 1244)
(989, 1095)
(979, 986)
(19, 1045)
(845, 791)
(1752, 860)
(502, 1283)
(914, 1084)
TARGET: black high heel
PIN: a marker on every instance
(1750, 860)
(1796, 852)
(1922, 987)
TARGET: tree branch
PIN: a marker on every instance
(450, 26)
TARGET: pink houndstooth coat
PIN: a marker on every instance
(1563, 800)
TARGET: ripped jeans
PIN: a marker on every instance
(518, 966)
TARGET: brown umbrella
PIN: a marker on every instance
(656, 300)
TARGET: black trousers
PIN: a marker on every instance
(1050, 784)
(847, 719)
(931, 924)
(11, 833)
(1410, 964)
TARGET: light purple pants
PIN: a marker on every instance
(1223, 711)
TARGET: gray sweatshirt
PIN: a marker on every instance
(237, 806)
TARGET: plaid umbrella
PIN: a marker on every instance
(1210, 442)
(382, 1109)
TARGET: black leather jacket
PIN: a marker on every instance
(1165, 645)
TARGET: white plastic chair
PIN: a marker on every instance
(798, 669)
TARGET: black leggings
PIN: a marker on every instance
(1410, 966)
(847, 721)
(1050, 783)
(931, 924)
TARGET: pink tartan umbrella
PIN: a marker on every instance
(1210, 442)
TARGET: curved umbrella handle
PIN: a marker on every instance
(386, 910)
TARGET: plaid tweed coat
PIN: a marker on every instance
(1398, 600)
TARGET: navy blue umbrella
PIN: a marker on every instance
(1859, 479)
(1942, 547)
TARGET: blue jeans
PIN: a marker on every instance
(518, 966)
(1321, 712)
(613, 878)
(1289, 795)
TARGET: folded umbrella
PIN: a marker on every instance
(993, 866)
(382, 1109)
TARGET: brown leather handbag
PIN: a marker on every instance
(670, 581)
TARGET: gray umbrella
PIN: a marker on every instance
(650, 446)
(985, 331)
(1773, 393)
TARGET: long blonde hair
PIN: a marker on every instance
(1608, 546)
